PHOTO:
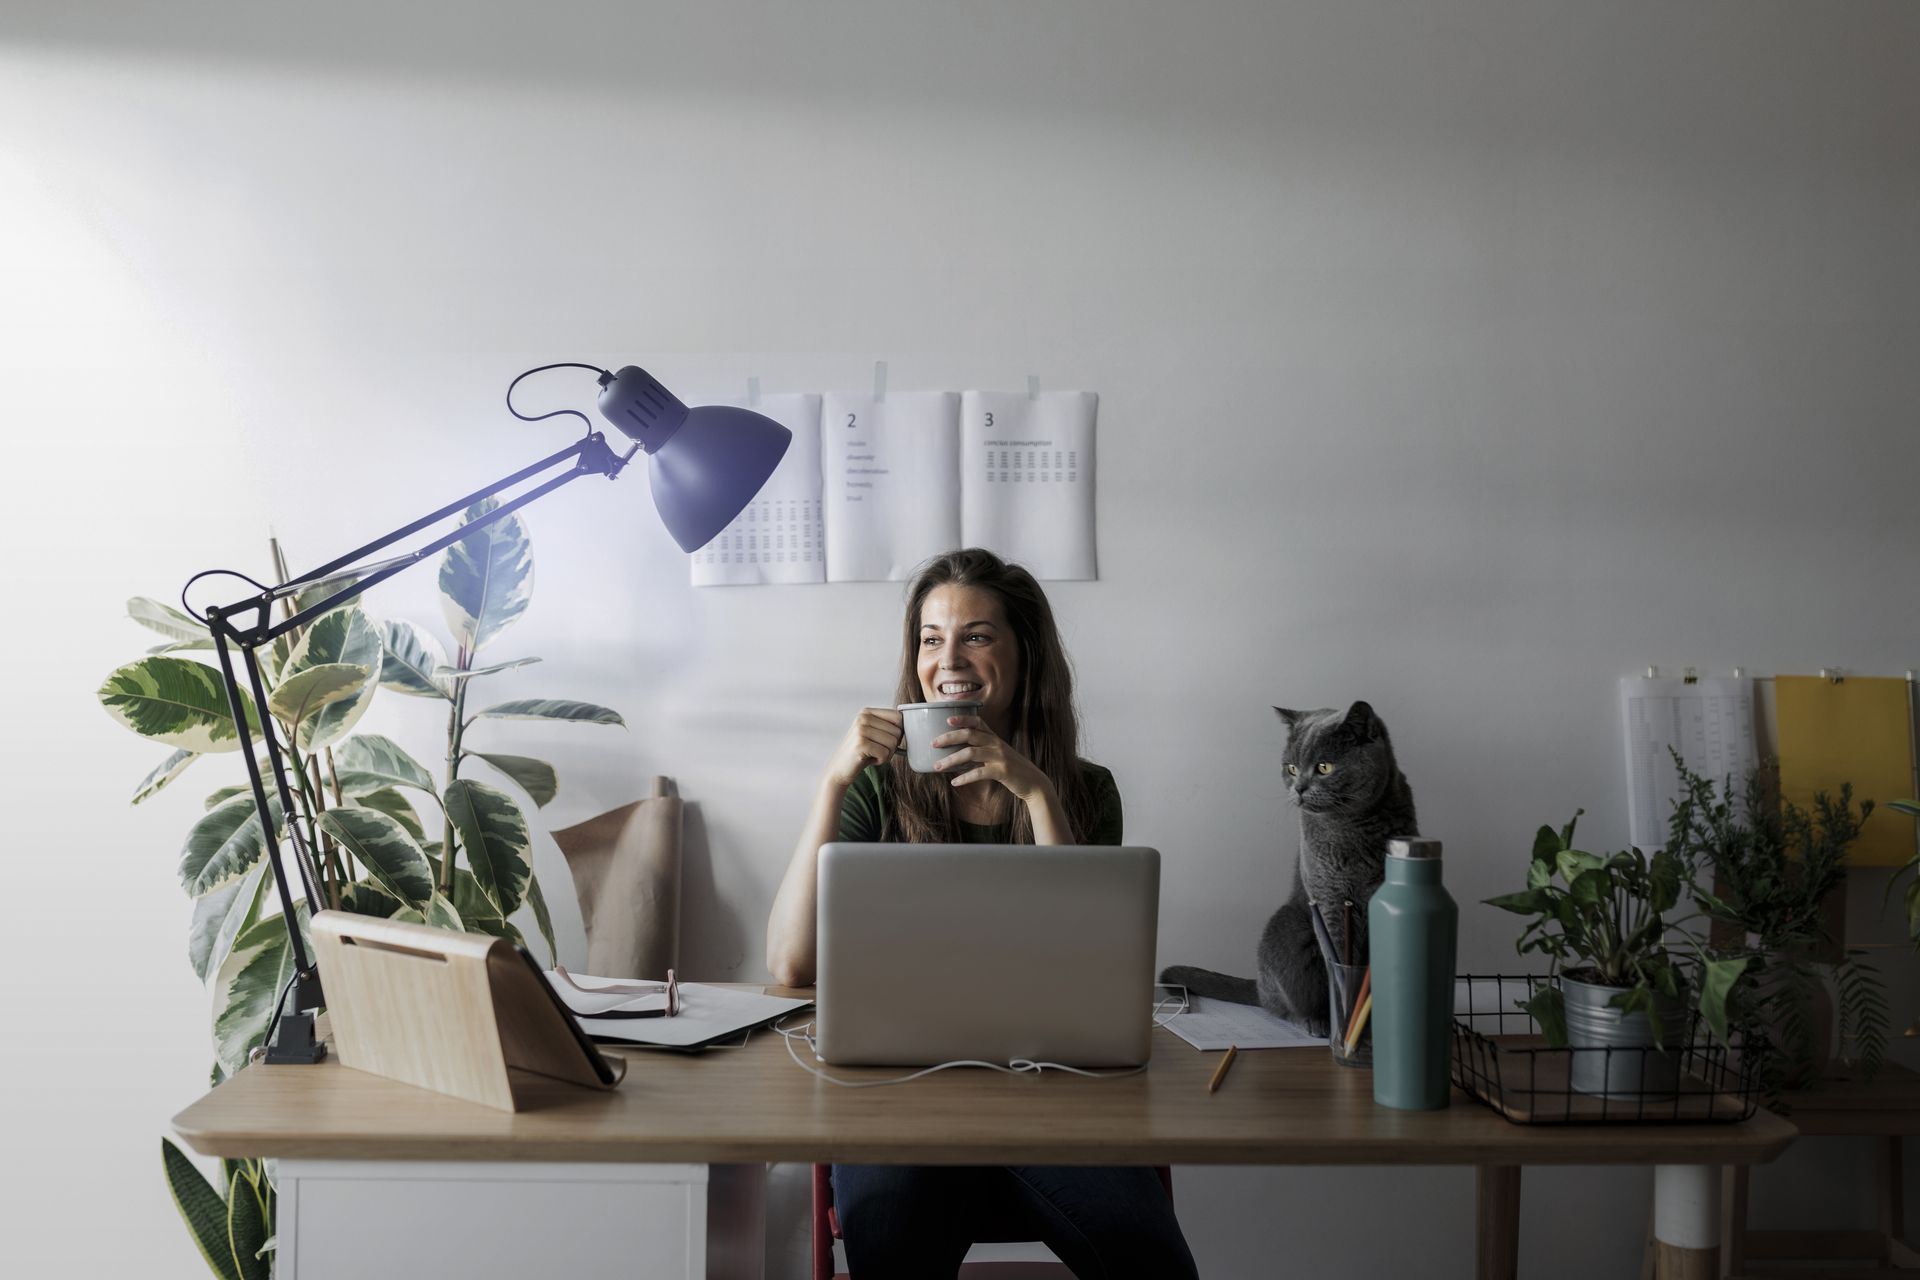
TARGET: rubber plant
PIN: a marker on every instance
(355, 798)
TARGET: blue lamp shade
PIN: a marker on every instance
(707, 463)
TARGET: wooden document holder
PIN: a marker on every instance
(452, 1012)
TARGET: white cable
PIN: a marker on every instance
(1016, 1067)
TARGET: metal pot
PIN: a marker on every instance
(1614, 1053)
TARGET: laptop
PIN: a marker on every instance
(931, 953)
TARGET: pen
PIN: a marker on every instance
(1220, 1072)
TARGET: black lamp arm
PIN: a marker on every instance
(294, 1039)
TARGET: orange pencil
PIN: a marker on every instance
(1353, 1015)
(1359, 1022)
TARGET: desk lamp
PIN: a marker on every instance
(705, 465)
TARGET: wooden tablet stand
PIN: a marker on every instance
(452, 1012)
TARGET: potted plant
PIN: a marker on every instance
(1621, 977)
(354, 801)
(1768, 866)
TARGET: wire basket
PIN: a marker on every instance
(1501, 1058)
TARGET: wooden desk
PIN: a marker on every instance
(738, 1109)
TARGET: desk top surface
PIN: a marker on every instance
(754, 1104)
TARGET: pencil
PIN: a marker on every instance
(1220, 1072)
(1360, 998)
(1359, 1022)
(1346, 932)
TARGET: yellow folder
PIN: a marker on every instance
(1857, 730)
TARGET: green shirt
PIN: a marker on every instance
(863, 812)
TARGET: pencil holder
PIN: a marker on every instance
(1344, 983)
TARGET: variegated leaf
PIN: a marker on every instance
(177, 702)
(413, 655)
(343, 636)
(442, 915)
(535, 777)
(454, 674)
(302, 696)
(177, 646)
(163, 773)
(222, 915)
(494, 835)
(321, 592)
(167, 620)
(366, 898)
(375, 757)
(486, 578)
(247, 987)
(384, 848)
(480, 915)
(224, 844)
(538, 901)
(389, 801)
(551, 709)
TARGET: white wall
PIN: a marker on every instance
(1460, 356)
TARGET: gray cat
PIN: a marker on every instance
(1351, 795)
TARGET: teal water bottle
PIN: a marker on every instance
(1412, 926)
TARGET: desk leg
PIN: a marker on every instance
(1497, 1232)
(736, 1221)
(1686, 1227)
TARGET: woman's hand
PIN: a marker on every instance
(992, 760)
(872, 739)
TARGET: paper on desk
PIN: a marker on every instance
(1216, 1024)
(706, 1013)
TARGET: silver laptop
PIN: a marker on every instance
(931, 953)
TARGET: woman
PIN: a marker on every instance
(977, 629)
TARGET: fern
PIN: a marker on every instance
(1864, 1022)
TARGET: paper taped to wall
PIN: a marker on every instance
(778, 537)
(874, 486)
(1709, 721)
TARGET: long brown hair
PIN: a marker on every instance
(1046, 726)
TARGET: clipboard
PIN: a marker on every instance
(457, 1013)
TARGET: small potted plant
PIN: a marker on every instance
(1767, 867)
(1620, 970)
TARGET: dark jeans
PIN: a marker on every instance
(903, 1222)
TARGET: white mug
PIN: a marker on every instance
(925, 721)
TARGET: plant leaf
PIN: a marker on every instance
(220, 916)
(455, 674)
(1550, 1011)
(494, 834)
(389, 801)
(225, 794)
(412, 656)
(246, 988)
(382, 761)
(367, 898)
(178, 702)
(538, 901)
(478, 914)
(1590, 886)
(535, 777)
(1525, 903)
(346, 635)
(163, 773)
(551, 709)
(300, 697)
(183, 646)
(486, 578)
(1545, 845)
(225, 843)
(246, 1230)
(201, 1208)
(1572, 863)
(1717, 979)
(385, 849)
(441, 914)
(167, 620)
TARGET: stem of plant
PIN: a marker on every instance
(463, 660)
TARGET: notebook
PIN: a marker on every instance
(933, 953)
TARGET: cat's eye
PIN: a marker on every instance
(1324, 768)
(1293, 771)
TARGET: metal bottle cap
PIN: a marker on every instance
(1413, 847)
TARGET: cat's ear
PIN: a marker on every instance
(1361, 720)
(1291, 717)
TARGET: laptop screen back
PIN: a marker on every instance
(934, 953)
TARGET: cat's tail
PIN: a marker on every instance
(1214, 986)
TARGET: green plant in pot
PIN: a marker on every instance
(1771, 866)
(355, 798)
(1623, 976)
